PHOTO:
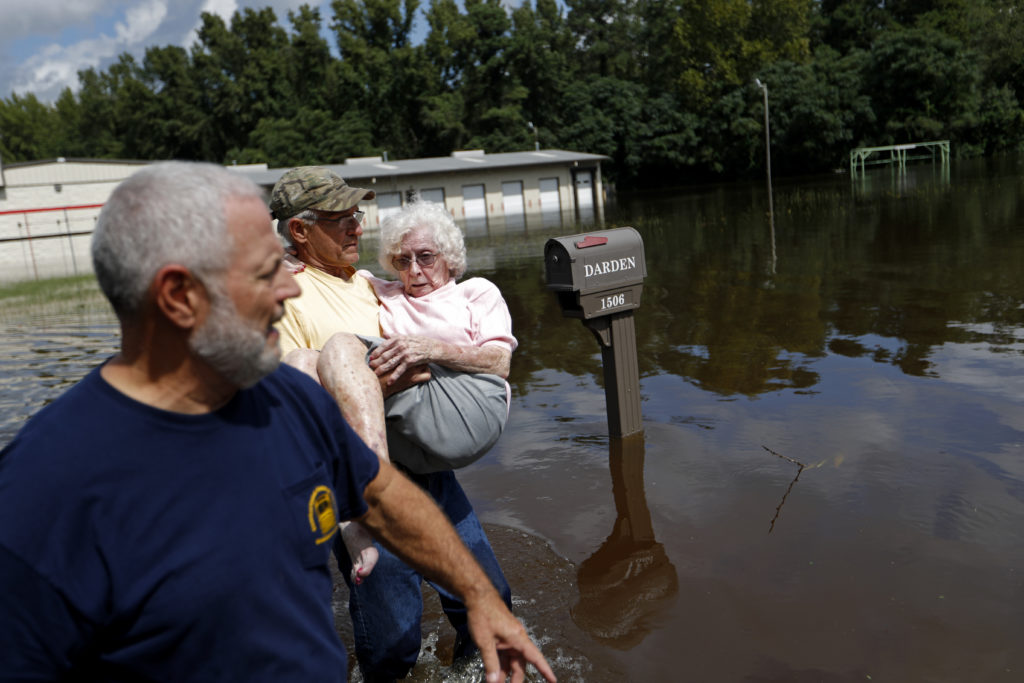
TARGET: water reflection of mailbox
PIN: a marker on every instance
(598, 277)
(598, 273)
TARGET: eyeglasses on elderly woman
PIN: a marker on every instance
(425, 259)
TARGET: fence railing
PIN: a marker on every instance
(46, 242)
(898, 154)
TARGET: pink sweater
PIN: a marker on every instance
(468, 313)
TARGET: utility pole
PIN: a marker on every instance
(768, 167)
(767, 147)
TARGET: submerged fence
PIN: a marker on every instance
(898, 154)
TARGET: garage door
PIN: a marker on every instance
(387, 204)
(473, 203)
(585, 195)
(512, 198)
(549, 200)
(435, 195)
(474, 210)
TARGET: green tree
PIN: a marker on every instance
(95, 133)
(669, 144)
(848, 24)
(28, 129)
(819, 110)
(443, 110)
(721, 44)
(178, 125)
(602, 117)
(308, 61)
(658, 52)
(998, 126)
(475, 99)
(380, 75)
(241, 73)
(310, 136)
(606, 32)
(1000, 39)
(539, 58)
(493, 97)
(909, 74)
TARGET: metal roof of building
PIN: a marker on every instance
(73, 160)
(472, 161)
(359, 168)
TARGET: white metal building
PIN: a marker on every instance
(48, 208)
(484, 192)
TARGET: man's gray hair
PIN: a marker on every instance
(169, 212)
(308, 216)
(439, 224)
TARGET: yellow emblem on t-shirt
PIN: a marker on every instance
(323, 517)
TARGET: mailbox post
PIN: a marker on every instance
(598, 278)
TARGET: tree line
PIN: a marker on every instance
(665, 88)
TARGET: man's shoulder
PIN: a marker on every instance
(356, 278)
(383, 288)
(292, 391)
(316, 284)
(296, 399)
(287, 380)
(47, 452)
(85, 398)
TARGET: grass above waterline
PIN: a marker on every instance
(47, 290)
(22, 301)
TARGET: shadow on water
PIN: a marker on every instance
(629, 579)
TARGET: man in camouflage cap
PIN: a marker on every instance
(318, 214)
(313, 187)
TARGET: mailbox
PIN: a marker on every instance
(597, 273)
(598, 277)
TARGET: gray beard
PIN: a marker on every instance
(232, 348)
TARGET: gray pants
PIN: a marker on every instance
(447, 422)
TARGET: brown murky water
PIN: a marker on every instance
(830, 481)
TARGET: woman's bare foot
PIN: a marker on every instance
(361, 550)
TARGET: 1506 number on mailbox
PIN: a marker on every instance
(609, 302)
(613, 301)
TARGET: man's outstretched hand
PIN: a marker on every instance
(504, 644)
(403, 518)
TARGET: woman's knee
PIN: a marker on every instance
(344, 344)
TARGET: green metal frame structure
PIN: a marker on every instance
(898, 154)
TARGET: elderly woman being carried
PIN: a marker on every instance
(461, 330)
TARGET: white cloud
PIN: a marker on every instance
(46, 17)
(55, 67)
(45, 43)
(225, 9)
(142, 22)
(222, 8)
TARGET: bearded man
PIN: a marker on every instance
(170, 517)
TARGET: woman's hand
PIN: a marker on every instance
(396, 355)
(417, 374)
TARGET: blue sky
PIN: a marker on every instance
(44, 43)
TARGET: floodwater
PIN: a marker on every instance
(829, 485)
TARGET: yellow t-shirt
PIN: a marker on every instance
(327, 305)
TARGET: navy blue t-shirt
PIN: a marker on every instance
(137, 543)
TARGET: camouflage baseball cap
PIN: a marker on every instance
(313, 187)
